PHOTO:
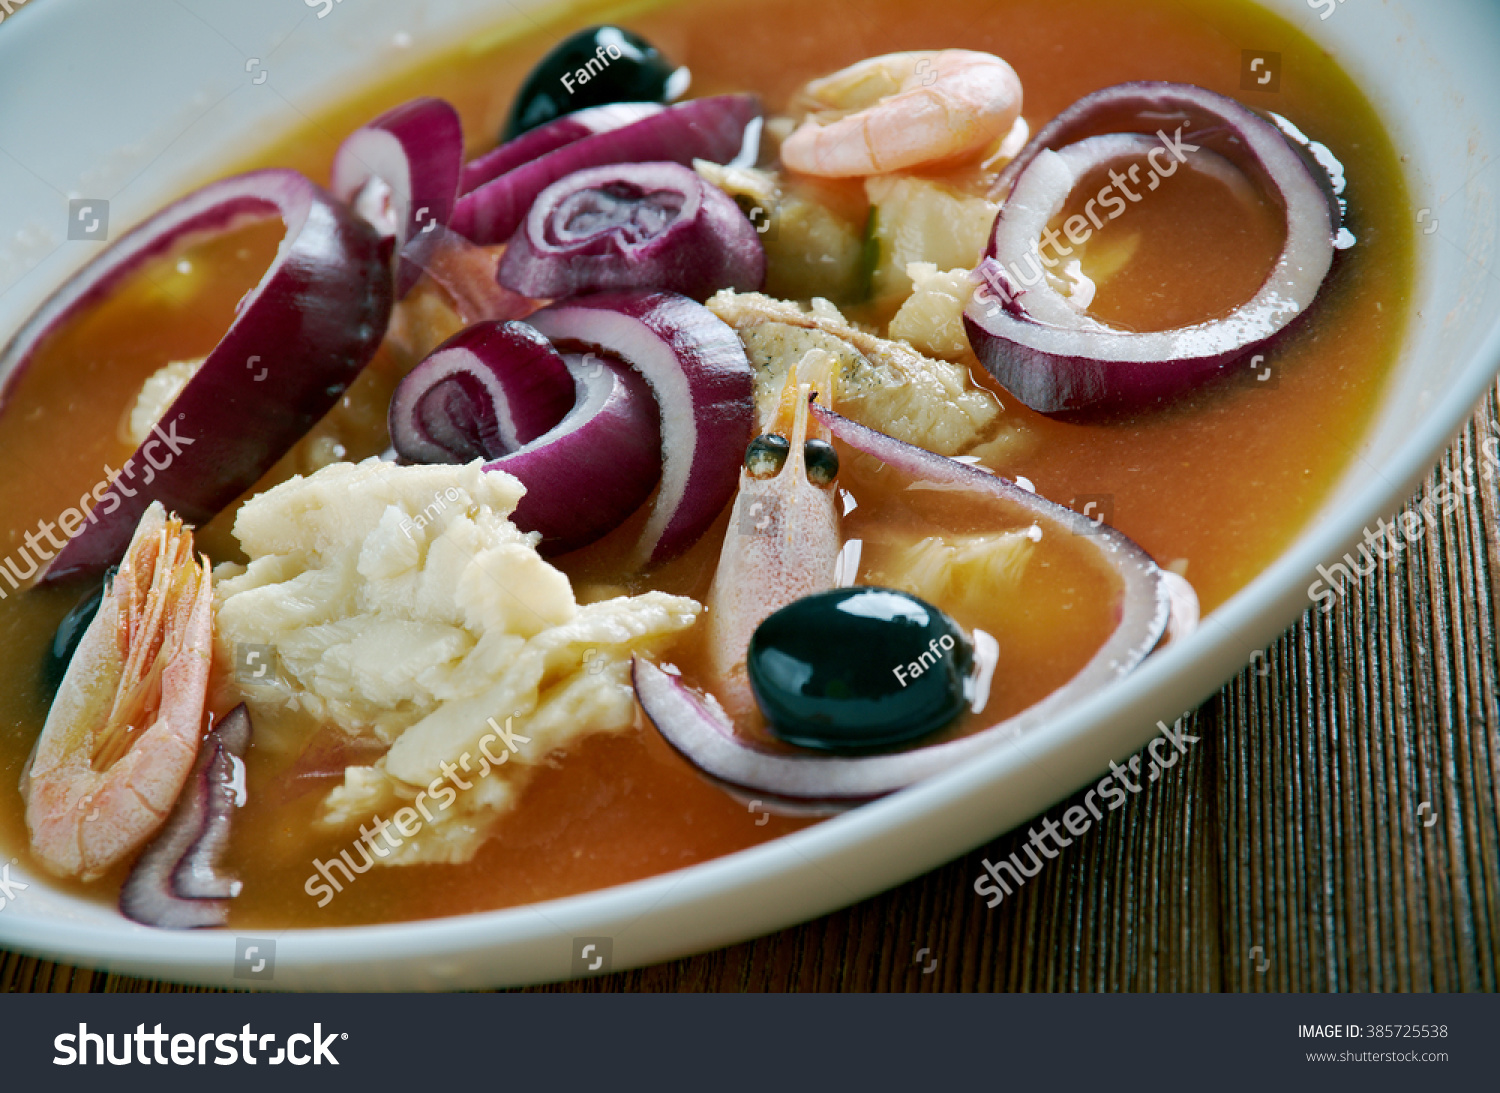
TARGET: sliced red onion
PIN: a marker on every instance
(601, 462)
(326, 755)
(489, 389)
(697, 727)
(698, 370)
(535, 143)
(1185, 613)
(401, 172)
(178, 882)
(634, 225)
(712, 128)
(1054, 357)
(299, 338)
(580, 433)
(467, 274)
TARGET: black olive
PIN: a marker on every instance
(822, 462)
(70, 632)
(855, 669)
(766, 455)
(594, 67)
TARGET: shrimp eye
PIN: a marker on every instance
(766, 455)
(822, 462)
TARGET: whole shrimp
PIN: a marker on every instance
(124, 729)
(903, 110)
(783, 539)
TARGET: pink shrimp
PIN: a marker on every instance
(783, 539)
(903, 110)
(124, 729)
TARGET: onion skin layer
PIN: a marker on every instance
(467, 274)
(707, 245)
(580, 433)
(176, 883)
(519, 384)
(415, 149)
(700, 375)
(312, 323)
(586, 476)
(711, 128)
(535, 143)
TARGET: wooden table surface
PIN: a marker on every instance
(1340, 814)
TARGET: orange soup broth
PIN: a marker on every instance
(1215, 485)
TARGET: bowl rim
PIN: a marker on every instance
(930, 818)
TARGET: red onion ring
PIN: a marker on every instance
(401, 171)
(1055, 358)
(535, 143)
(314, 320)
(177, 882)
(698, 371)
(698, 728)
(712, 128)
(601, 462)
(491, 388)
(633, 225)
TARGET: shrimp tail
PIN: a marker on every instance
(124, 729)
(903, 110)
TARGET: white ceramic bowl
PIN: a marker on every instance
(139, 101)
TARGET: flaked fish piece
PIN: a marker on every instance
(884, 384)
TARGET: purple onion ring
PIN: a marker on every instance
(712, 128)
(535, 143)
(314, 320)
(401, 172)
(597, 466)
(491, 388)
(633, 225)
(698, 371)
(1054, 357)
